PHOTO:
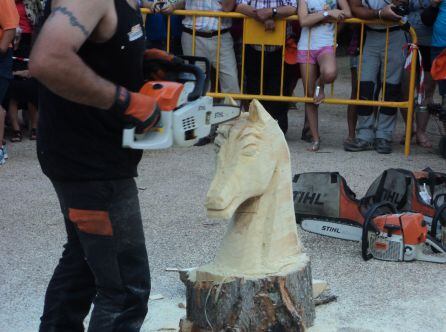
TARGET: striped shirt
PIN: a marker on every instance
(259, 4)
(205, 24)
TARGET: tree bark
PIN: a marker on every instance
(272, 303)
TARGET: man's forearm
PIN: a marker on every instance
(361, 11)
(285, 11)
(365, 13)
(246, 10)
(6, 40)
(84, 86)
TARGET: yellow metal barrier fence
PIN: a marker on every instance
(254, 34)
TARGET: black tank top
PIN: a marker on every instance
(78, 142)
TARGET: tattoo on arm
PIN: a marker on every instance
(73, 20)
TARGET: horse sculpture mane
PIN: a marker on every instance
(252, 187)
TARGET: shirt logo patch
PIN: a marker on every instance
(135, 33)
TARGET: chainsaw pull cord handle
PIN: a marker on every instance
(369, 223)
(437, 198)
(431, 182)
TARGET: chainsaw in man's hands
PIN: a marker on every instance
(139, 110)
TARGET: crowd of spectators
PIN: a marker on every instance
(310, 51)
(18, 90)
(368, 127)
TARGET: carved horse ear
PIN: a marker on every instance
(257, 113)
(229, 101)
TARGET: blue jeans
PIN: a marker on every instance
(442, 83)
(104, 261)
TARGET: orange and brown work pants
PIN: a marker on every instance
(104, 261)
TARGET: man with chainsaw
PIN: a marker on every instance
(89, 59)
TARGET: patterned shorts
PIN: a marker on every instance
(312, 56)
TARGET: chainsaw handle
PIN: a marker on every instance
(368, 222)
(437, 198)
(201, 79)
(437, 218)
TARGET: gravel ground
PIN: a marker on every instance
(372, 296)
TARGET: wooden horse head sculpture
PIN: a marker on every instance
(252, 187)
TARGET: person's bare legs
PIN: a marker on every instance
(328, 73)
(422, 116)
(310, 108)
(352, 117)
(13, 113)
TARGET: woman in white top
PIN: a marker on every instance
(316, 48)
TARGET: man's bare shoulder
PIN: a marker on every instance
(81, 17)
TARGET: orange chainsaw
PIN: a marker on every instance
(398, 237)
(187, 114)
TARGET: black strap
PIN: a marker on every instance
(378, 194)
(403, 200)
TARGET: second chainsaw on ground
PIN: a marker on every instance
(392, 221)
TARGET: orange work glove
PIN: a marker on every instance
(138, 110)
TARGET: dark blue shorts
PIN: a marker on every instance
(5, 73)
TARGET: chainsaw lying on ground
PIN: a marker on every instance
(325, 205)
(398, 237)
(187, 114)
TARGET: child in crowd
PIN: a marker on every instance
(316, 48)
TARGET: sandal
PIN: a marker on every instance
(424, 143)
(16, 136)
(33, 134)
(314, 146)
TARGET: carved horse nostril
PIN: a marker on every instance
(215, 202)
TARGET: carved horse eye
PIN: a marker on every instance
(250, 150)
(218, 142)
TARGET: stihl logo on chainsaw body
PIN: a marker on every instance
(330, 229)
(308, 198)
(390, 196)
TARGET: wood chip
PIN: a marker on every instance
(156, 297)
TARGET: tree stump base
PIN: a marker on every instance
(282, 302)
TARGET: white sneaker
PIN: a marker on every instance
(2, 156)
(5, 152)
